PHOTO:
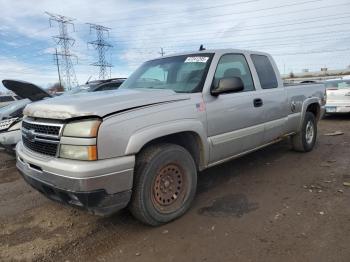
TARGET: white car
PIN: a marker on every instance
(338, 96)
(12, 114)
(8, 99)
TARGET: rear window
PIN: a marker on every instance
(266, 74)
(6, 99)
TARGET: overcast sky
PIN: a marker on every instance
(299, 34)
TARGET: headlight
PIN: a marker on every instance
(16, 126)
(82, 128)
(78, 152)
(5, 124)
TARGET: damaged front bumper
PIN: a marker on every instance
(102, 187)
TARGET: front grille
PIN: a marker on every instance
(40, 147)
(41, 137)
(42, 129)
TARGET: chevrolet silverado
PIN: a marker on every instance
(143, 145)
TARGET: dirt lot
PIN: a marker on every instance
(272, 205)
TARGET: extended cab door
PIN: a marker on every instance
(273, 96)
(234, 120)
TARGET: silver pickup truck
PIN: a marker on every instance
(142, 146)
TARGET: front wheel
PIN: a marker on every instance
(305, 140)
(164, 184)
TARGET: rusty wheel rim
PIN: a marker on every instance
(169, 188)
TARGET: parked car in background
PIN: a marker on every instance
(337, 96)
(11, 115)
(142, 145)
(97, 85)
(8, 99)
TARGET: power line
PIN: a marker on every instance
(278, 24)
(101, 45)
(233, 43)
(176, 38)
(64, 43)
(234, 13)
(313, 52)
(185, 12)
(200, 23)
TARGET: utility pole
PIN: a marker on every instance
(101, 45)
(64, 43)
(58, 67)
(162, 53)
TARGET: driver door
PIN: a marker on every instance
(235, 121)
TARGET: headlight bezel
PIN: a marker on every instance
(78, 152)
(6, 124)
(83, 128)
(16, 126)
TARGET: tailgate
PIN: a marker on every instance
(339, 96)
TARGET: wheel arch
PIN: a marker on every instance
(310, 105)
(188, 134)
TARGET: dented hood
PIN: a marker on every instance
(101, 103)
(26, 90)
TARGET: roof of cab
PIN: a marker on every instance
(215, 51)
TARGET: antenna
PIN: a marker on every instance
(201, 48)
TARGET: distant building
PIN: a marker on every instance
(321, 75)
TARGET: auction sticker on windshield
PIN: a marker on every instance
(196, 59)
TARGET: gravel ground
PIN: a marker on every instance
(272, 205)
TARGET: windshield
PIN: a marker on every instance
(182, 74)
(339, 84)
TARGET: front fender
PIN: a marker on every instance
(147, 134)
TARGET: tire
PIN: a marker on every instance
(305, 140)
(165, 184)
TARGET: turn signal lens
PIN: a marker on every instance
(78, 152)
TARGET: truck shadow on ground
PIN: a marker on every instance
(219, 175)
(228, 205)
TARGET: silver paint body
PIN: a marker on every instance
(227, 126)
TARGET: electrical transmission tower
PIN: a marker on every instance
(64, 43)
(101, 45)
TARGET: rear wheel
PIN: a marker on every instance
(164, 184)
(305, 140)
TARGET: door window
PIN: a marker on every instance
(234, 65)
(266, 73)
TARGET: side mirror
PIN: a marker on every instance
(228, 85)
